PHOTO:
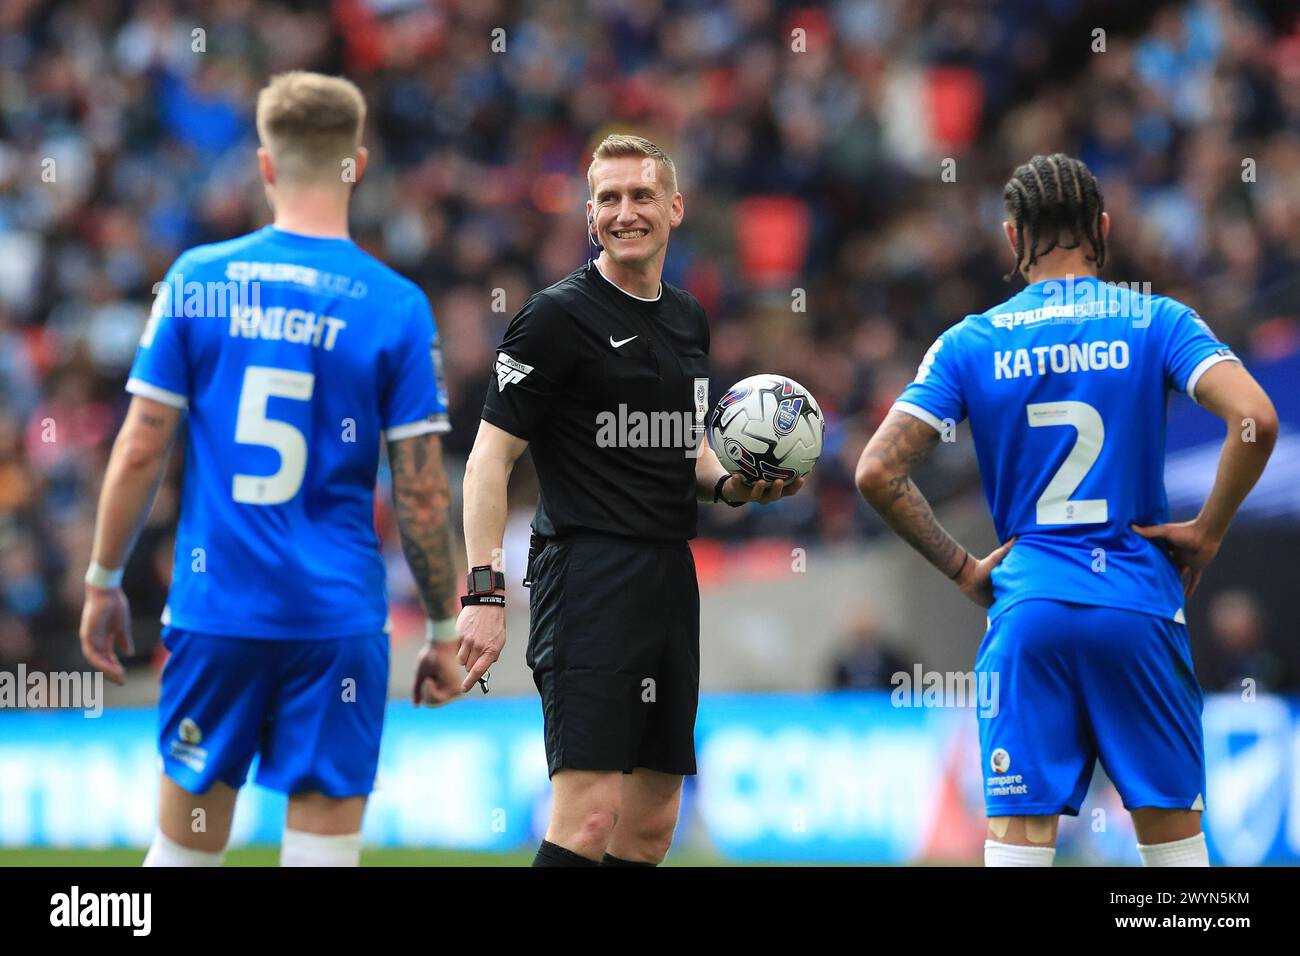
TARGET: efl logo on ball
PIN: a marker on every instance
(787, 415)
(767, 427)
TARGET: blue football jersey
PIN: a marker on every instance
(1066, 387)
(293, 355)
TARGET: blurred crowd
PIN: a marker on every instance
(842, 165)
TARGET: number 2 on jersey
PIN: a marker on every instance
(1054, 504)
(252, 427)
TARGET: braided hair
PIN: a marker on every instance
(1051, 199)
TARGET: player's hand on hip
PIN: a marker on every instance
(482, 630)
(976, 577)
(437, 674)
(105, 630)
(760, 492)
(1191, 547)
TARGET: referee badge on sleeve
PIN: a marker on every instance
(701, 397)
(509, 371)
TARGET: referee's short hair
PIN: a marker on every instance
(619, 145)
(311, 123)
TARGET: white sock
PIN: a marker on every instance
(315, 849)
(167, 852)
(1004, 854)
(1189, 852)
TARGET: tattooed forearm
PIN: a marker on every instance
(905, 510)
(420, 499)
(902, 442)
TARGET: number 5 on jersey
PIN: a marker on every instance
(252, 427)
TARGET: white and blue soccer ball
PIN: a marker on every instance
(767, 427)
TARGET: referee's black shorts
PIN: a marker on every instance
(614, 646)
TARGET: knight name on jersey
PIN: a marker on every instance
(1076, 357)
(278, 323)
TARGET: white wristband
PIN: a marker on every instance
(101, 577)
(441, 632)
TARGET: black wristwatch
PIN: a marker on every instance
(483, 580)
(717, 494)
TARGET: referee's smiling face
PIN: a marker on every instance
(632, 209)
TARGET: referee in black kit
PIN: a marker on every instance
(605, 375)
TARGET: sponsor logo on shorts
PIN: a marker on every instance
(1004, 784)
(1008, 785)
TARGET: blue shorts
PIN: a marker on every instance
(1079, 683)
(313, 709)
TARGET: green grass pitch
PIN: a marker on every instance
(270, 855)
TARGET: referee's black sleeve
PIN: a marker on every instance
(531, 366)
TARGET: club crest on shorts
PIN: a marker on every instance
(187, 749)
(190, 733)
(1000, 761)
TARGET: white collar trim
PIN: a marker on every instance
(639, 298)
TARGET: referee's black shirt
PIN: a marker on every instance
(571, 357)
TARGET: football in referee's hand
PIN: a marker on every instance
(767, 427)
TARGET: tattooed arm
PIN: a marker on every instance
(135, 469)
(421, 496)
(884, 478)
